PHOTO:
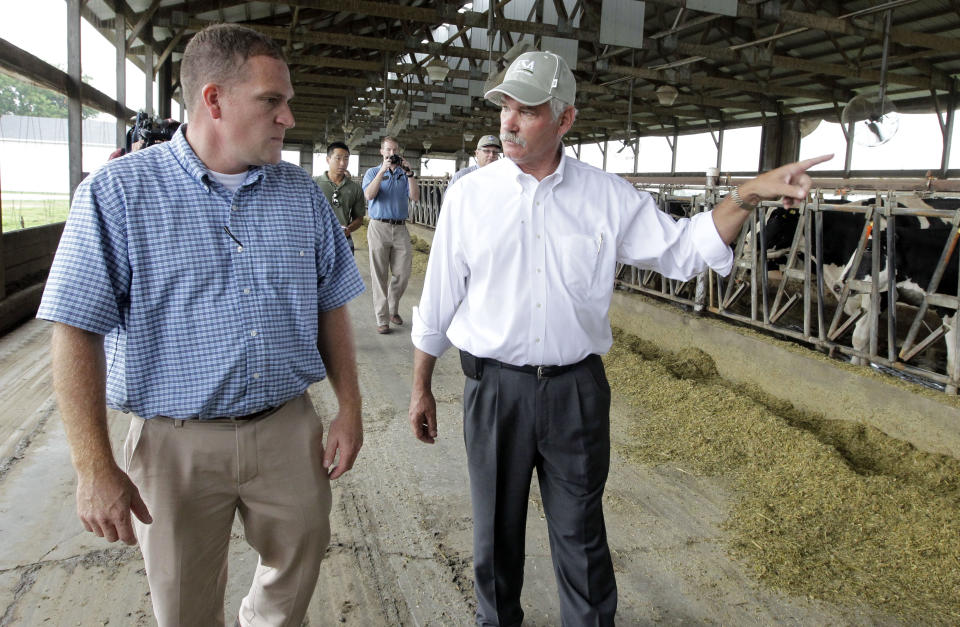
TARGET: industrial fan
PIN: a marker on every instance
(874, 120)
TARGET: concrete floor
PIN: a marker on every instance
(401, 548)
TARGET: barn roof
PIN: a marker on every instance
(356, 63)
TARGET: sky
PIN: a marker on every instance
(916, 145)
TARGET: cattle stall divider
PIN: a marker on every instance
(842, 312)
(833, 316)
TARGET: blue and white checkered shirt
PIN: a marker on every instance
(208, 300)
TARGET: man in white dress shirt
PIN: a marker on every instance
(520, 277)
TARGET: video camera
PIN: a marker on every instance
(150, 130)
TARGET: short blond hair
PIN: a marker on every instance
(217, 55)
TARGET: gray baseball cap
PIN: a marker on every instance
(535, 77)
(489, 140)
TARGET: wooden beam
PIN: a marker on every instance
(42, 74)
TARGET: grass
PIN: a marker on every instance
(24, 209)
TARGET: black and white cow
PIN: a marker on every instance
(919, 243)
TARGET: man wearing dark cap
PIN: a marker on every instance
(488, 151)
(520, 278)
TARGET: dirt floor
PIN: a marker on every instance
(401, 548)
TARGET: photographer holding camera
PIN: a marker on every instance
(388, 190)
(146, 131)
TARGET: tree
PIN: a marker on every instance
(20, 98)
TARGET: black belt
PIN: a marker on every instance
(263, 413)
(473, 366)
(390, 221)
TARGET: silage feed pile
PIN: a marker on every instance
(834, 510)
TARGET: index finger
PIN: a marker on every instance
(806, 164)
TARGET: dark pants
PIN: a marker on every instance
(515, 422)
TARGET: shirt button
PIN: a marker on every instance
(239, 249)
(538, 270)
(234, 208)
(301, 253)
(246, 290)
(253, 333)
(537, 340)
(538, 236)
(538, 305)
(256, 375)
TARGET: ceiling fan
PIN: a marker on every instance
(873, 119)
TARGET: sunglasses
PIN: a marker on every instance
(336, 197)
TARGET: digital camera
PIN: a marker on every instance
(395, 159)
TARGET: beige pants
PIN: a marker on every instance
(391, 256)
(194, 475)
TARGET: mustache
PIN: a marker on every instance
(514, 139)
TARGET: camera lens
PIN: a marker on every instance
(395, 159)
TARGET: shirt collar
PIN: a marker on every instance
(552, 180)
(191, 163)
(326, 177)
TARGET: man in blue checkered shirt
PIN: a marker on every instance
(201, 286)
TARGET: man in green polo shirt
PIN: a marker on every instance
(343, 193)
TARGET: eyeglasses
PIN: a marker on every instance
(335, 199)
(490, 152)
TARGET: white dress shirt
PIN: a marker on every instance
(522, 271)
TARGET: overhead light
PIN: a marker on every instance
(374, 109)
(437, 70)
(426, 144)
(468, 137)
(666, 95)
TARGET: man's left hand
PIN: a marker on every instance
(345, 436)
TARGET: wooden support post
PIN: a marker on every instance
(147, 38)
(74, 106)
(120, 43)
(306, 158)
(165, 89)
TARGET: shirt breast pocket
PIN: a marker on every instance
(579, 261)
(292, 276)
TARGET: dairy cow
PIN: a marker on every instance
(918, 243)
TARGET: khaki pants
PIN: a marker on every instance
(194, 475)
(391, 256)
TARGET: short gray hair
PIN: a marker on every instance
(557, 107)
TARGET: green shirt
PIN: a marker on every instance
(350, 203)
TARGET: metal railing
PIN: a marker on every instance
(426, 211)
(827, 316)
(793, 300)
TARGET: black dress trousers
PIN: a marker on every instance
(517, 421)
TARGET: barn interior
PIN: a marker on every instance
(801, 348)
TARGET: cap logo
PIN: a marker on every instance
(526, 66)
